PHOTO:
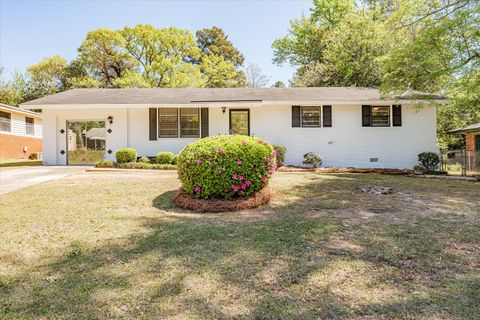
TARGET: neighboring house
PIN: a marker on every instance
(472, 136)
(20, 133)
(349, 127)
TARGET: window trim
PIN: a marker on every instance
(31, 125)
(9, 122)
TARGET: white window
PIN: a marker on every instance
(5, 121)
(29, 126)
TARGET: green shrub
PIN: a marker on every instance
(280, 152)
(165, 157)
(124, 155)
(144, 159)
(429, 160)
(312, 158)
(419, 169)
(104, 164)
(175, 159)
(226, 166)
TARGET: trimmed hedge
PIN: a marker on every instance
(226, 166)
(124, 155)
(165, 157)
(104, 164)
(134, 165)
(280, 152)
(144, 165)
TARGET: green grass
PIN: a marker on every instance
(103, 246)
(20, 163)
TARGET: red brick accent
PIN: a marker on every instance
(11, 146)
(470, 140)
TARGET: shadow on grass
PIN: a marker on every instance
(200, 266)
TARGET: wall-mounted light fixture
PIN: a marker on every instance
(110, 119)
(224, 109)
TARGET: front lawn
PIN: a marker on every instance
(103, 245)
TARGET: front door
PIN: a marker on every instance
(240, 121)
(85, 142)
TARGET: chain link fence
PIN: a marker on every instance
(462, 162)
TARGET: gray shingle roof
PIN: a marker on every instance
(196, 95)
(472, 127)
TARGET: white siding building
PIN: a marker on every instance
(349, 127)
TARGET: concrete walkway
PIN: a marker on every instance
(14, 178)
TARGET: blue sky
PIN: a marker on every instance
(31, 30)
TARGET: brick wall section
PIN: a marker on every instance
(11, 146)
(470, 140)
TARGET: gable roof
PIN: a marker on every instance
(472, 127)
(6, 107)
(160, 96)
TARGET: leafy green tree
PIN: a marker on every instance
(132, 79)
(48, 75)
(352, 55)
(215, 41)
(12, 92)
(104, 56)
(305, 40)
(162, 55)
(279, 84)
(220, 73)
(414, 46)
(221, 62)
(439, 53)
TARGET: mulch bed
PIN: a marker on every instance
(346, 170)
(190, 202)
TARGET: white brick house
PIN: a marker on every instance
(350, 127)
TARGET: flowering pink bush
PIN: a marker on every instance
(226, 166)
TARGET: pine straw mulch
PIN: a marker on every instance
(346, 170)
(187, 201)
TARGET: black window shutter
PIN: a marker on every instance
(152, 123)
(327, 116)
(397, 115)
(366, 116)
(204, 121)
(295, 116)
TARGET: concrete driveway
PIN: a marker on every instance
(14, 178)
